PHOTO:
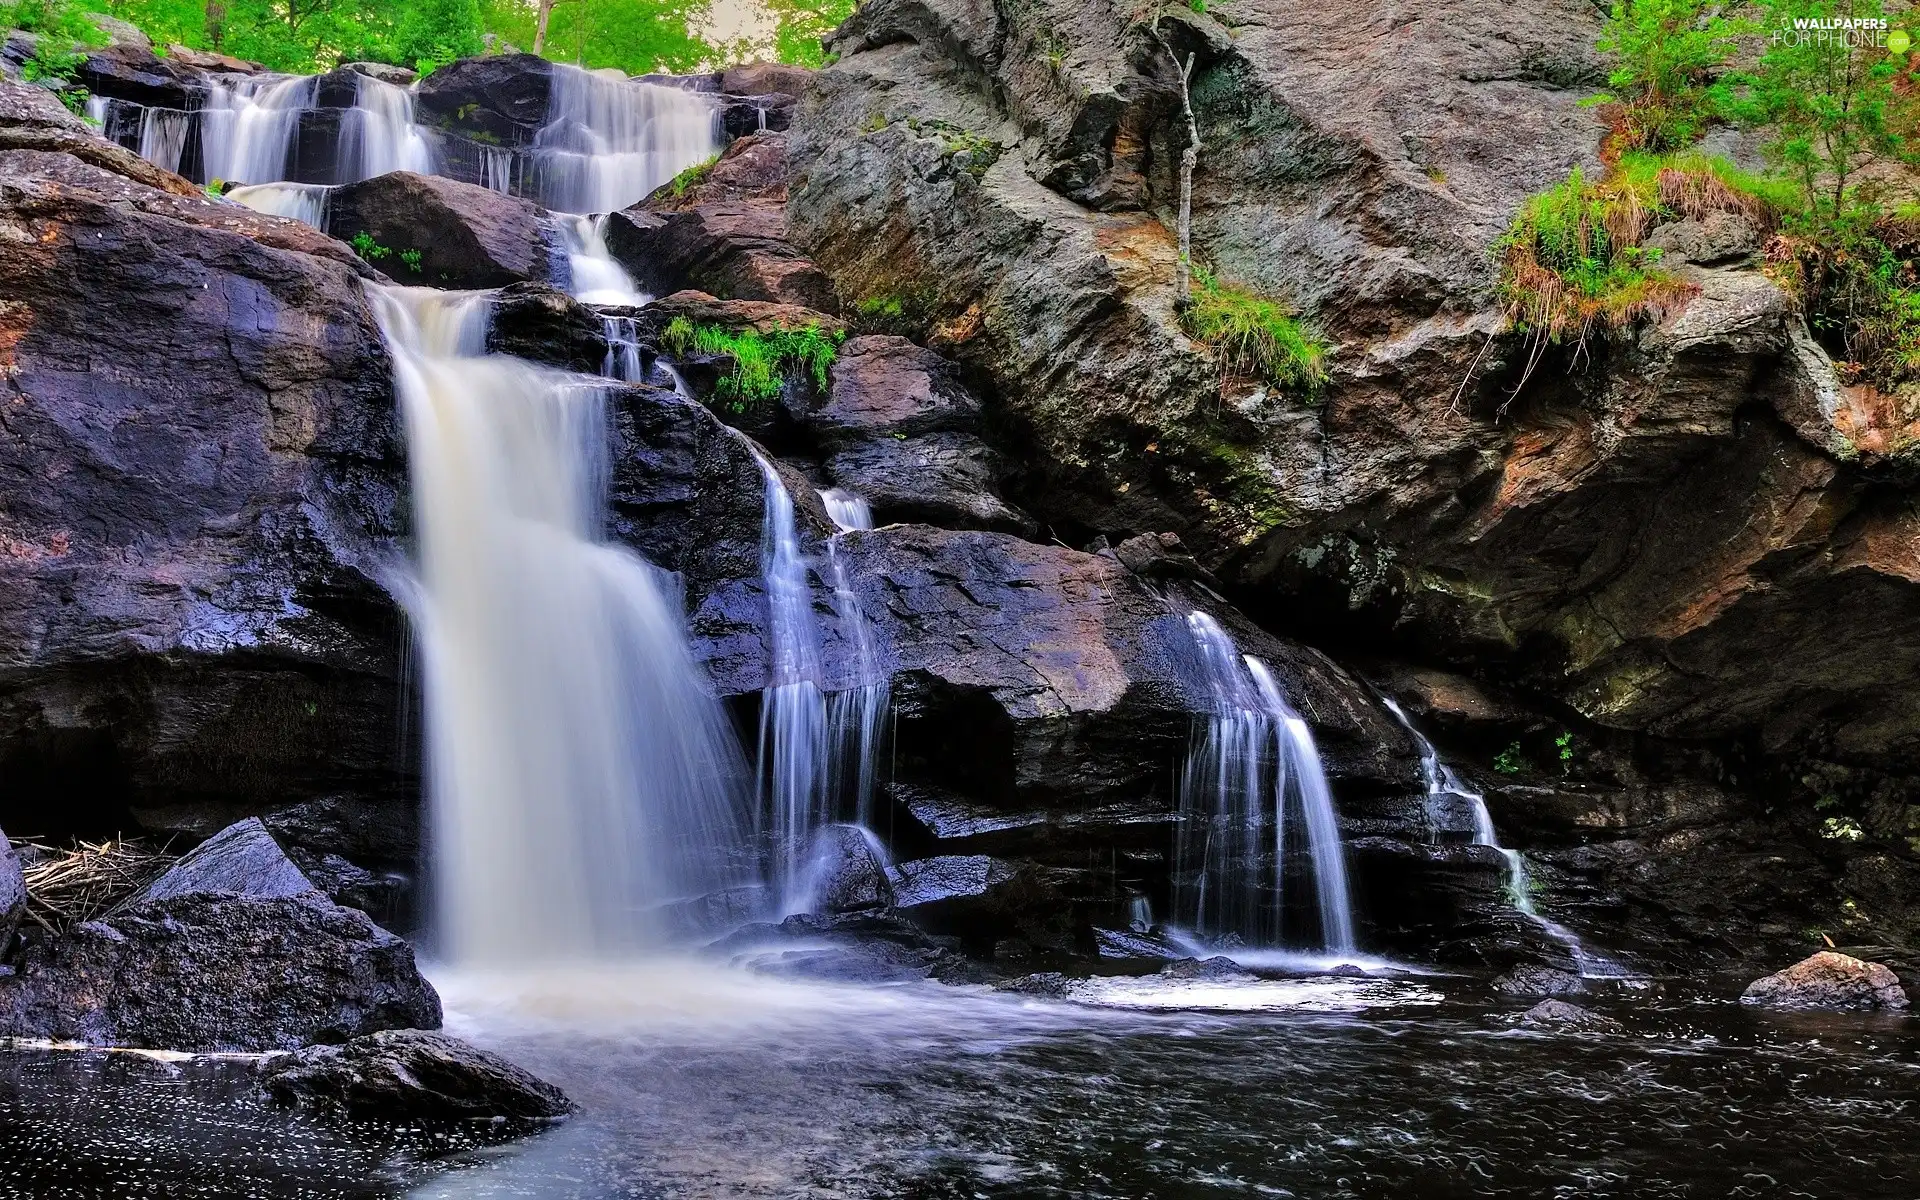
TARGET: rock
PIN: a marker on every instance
(412, 1075)
(466, 236)
(207, 60)
(120, 33)
(1217, 967)
(242, 859)
(900, 429)
(730, 249)
(13, 896)
(750, 168)
(219, 973)
(1558, 1014)
(33, 119)
(1043, 983)
(384, 72)
(498, 99)
(124, 71)
(846, 871)
(1830, 982)
(1716, 238)
(1128, 944)
(1539, 981)
(744, 116)
(764, 78)
(539, 322)
(204, 485)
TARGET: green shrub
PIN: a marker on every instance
(762, 362)
(1665, 53)
(1254, 337)
(366, 247)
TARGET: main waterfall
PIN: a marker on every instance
(579, 772)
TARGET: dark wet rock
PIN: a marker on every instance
(744, 116)
(845, 872)
(1558, 1014)
(539, 322)
(13, 896)
(242, 859)
(1539, 981)
(1828, 981)
(33, 119)
(708, 916)
(203, 483)
(135, 73)
(412, 1075)
(384, 72)
(1218, 967)
(497, 100)
(1128, 943)
(750, 168)
(1043, 983)
(945, 479)
(466, 236)
(733, 249)
(219, 972)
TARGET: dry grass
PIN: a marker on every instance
(84, 882)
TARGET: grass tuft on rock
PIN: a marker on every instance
(762, 362)
(690, 178)
(1254, 337)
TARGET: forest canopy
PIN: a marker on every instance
(637, 36)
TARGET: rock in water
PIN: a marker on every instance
(13, 895)
(846, 875)
(242, 859)
(219, 973)
(1558, 1014)
(466, 236)
(411, 1074)
(1539, 981)
(1830, 982)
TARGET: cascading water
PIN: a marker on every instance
(595, 277)
(580, 772)
(1447, 794)
(380, 134)
(248, 124)
(302, 201)
(609, 141)
(1252, 754)
(856, 716)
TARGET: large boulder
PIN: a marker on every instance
(499, 99)
(1619, 537)
(466, 236)
(134, 73)
(32, 118)
(219, 972)
(845, 871)
(412, 1075)
(202, 483)
(1828, 981)
(242, 859)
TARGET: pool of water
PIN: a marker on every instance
(701, 1082)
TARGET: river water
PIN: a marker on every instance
(706, 1082)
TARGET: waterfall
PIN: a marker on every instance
(247, 126)
(1445, 791)
(163, 136)
(848, 510)
(1253, 753)
(302, 201)
(580, 774)
(623, 350)
(609, 141)
(819, 751)
(380, 135)
(594, 275)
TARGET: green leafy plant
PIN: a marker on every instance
(1511, 761)
(366, 247)
(762, 362)
(1665, 53)
(1253, 337)
(412, 259)
(1563, 747)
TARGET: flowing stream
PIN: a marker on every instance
(581, 775)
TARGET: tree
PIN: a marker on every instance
(635, 37)
(1665, 53)
(1825, 101)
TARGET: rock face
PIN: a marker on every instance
(202, 481)
(13, 895)
(1551, 533)
(412, 1075)
(219, 972)
(241, 859)
(1828, 981)
(466, 236)
(845, 873)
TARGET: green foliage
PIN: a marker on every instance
(1511, 761)
(1665, 53)
(412, 259)
(799, 26)
(762, 362)
(1254, 337)
(689, 178)
(1563, 747)
(1826, 107)
(60, 24)
(366, 247)
(432, 33)
(656, 35)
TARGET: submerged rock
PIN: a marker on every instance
(412, 1075)
(1539, 981)
(242, 859)
(1830, 982)
(219, 973)
(1558, 1014)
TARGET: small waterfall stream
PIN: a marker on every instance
(1252, 755)
(1446, 791)
(579, 772)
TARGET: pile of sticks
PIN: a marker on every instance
(84, 882)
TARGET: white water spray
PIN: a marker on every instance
(595, 276)
(609, 141)
(580, 773)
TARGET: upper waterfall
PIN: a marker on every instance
(580, 773)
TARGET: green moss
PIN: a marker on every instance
(762, 362)
(974, 152)
(680, 184)
(1253, 336)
